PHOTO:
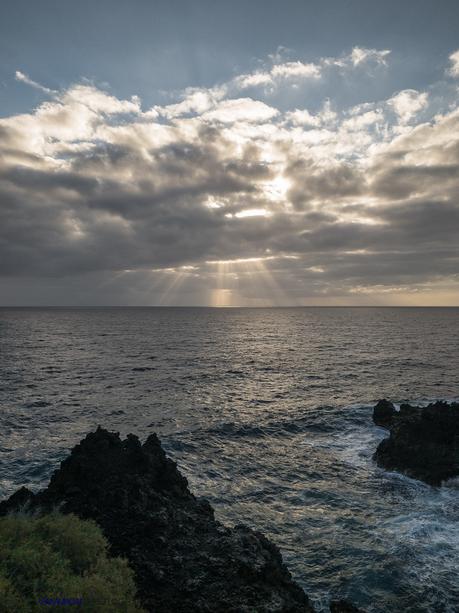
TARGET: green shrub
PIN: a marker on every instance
(43, 559)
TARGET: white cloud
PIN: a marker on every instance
(241, 109)
(297, 70)
(360, 56)
(359, 122)
(454, 68)
(278, 72)
(195, 101)
(256, 79)
(20, 76)
(292, 70)
(302, 117)
(408, 103)
(99, 101)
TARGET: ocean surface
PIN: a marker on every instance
(268, 414)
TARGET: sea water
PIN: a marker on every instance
(268, 414)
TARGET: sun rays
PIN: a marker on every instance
(249, 281)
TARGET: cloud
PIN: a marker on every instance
(360, 56)
(298, 71)
(293, 70)
(408, 103)
(303, 117)
(222, 193)
(277, 73)
(363, 120)
(241, 109)
(194, 101)
(454, 68)
(20, 76)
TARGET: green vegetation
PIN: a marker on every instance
(43, 559)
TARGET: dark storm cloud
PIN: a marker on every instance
(334, 207)
(86, 219)
(404, 181)
(24, 177)
(311, 182)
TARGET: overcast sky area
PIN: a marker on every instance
(229, 153)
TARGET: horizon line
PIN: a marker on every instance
(201, 306)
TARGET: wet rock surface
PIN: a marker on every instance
(184, 560)
(423, 441)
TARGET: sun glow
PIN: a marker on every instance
(212, 203)
(253, 213)
(247, 281)
(249, 260)
(277, 188)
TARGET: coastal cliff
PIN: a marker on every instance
(183, 559)
(423, 441)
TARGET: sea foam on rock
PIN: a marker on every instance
(183, 559)
(423, 441)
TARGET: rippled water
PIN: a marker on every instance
(268, 413)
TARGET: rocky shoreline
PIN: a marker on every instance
(423, 442)
(183, 559)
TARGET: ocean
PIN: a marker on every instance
(268, 414)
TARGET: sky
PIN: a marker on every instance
(216, 153)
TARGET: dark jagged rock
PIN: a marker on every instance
(423, 442)
(184, 560)
(342, 606)
(21, 499)
(383, 413)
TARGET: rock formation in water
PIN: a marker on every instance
(184, 560)
(383, 413)
(423, 441)
(342, 606)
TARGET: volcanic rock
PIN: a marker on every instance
(383, 413)
(342, 606)
(184, 560)
(423, 442)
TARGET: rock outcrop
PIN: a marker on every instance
(342, 606)
(383, 413)
(184, 560)
(423, 441)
